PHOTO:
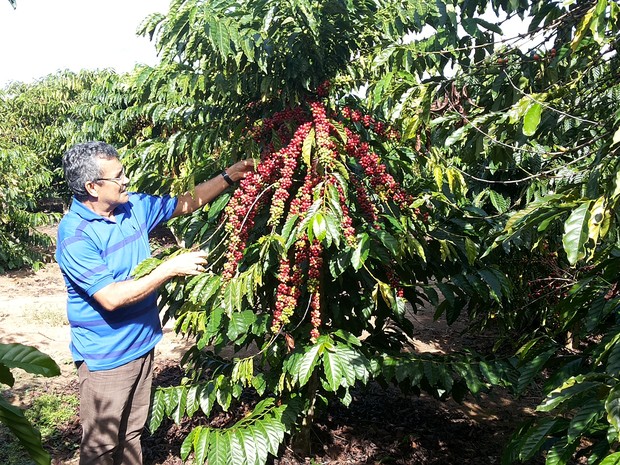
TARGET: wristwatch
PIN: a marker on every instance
(227, 178)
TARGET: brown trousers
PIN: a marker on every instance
(114, 406)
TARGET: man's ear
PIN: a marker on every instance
(91, 189)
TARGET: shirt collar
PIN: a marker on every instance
(87, 214)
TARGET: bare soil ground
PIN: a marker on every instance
(380, 426)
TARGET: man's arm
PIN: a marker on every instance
(209, 190)
(120, 294)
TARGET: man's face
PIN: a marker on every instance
(112, 185)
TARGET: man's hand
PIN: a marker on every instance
(186, 264)
(120, 294)
(240, 169)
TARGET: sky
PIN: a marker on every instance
(41, 37)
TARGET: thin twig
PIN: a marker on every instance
(549, 107)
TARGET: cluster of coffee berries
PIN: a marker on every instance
(380, 180)
(550, 290)
(394, 282)
(323, 89)
(368, 208)
(315, 265)
(241, 213)
(303, 200)
(290, 178)
(280, 124)
(289, 155)
(371, 123)
(287, 295)
(290, 284)
(346, 221)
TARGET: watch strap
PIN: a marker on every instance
(228, 178)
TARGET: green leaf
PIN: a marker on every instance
(493, 281)
(415, 247)
(247, 442)
(612, 459)
(304, 368)
(28, 436)
(456, 136)
(612, 406)
(274, 432)
(590, 412)
(206, 286)
(28, 359)
(260, 445)
(6, 377)
(501, 203)
(179, 410)
(206, 397)
(561, 452)
(157, 410)
(388, 294)
(334, 368)
(584, 26)
(259, 428)
(240, 323)
(237, 451)
(192, 402)
(306, 149)
(224, 392)
(489, 26)
(471, 251)
(288, 227)
(613, 359)
(319, 226)
(212, 287)
(532, 369)
(388, 241)
(332, 231)
(188, 443)
(616, 138)
(214, 324)
(201, 444)
(218, 205)
(347, 337)
(438, 176)
(536, 437)
(340, 261)
(219, 36)
(531, 119)
(570, 389)
(360, 254)
(145, 267)
(219, 448)
(576, 233)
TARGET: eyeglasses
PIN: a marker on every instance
(118, 180)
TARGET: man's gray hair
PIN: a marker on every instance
(80, 165)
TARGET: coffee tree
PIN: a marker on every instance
(533, 127)
(316, 260)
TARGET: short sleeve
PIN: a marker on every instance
(81, 262)
(154, 209)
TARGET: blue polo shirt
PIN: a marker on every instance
(93, 252)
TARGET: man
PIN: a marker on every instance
(114, 319)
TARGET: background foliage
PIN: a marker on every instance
(505, 148)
